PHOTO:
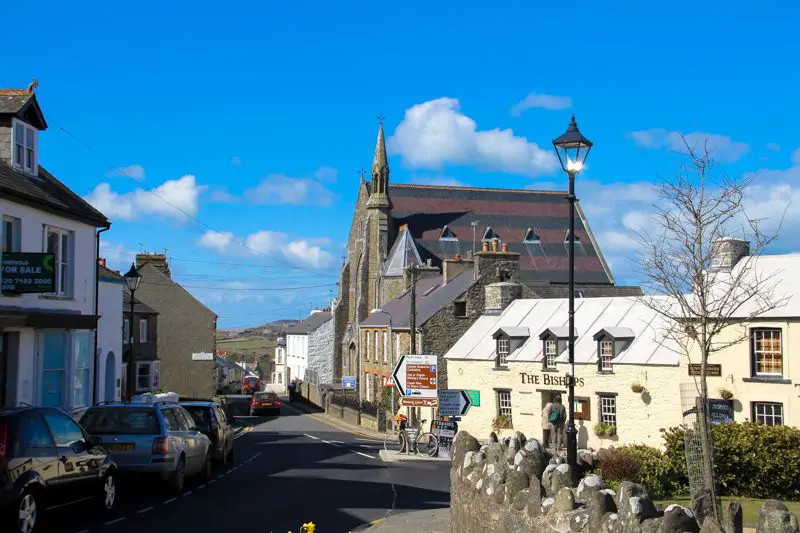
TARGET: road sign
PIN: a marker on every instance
(416, 401)
(453, 402)
(388, 381)
(475, 397)
(416, 376)
(349, 382)
(203, 356)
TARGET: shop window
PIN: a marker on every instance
(608, 410)
(768, 413)
(53, 348)
(767, 349)
(503, 346)
(82, 354)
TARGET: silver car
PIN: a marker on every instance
(158, 438)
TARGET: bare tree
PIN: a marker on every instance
(688, 277)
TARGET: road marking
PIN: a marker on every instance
(84, 531)
(337, 441)
(187, 493)
(329, 442)
(110, 522)
(170, 500)
(311, 436)
(212, 481)
(145, 510)
(365, 455)
(202, 486)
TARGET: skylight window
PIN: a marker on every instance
(566, 237)
(531, 237)
(447, 235)
(490, 235)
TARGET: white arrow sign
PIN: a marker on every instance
(416, 376)
(454, 402)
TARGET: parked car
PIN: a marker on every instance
(47, 460)
(159, 438)
(213, 423)
(265, 401)
(251, 384)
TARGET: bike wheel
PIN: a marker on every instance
(394, 442)
(427, 445)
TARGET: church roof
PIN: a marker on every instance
(508, 214)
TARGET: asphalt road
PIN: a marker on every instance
(289, 470)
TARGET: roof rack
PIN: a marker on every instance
(161, 402)
(109, 402)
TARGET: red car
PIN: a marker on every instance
(251, 384)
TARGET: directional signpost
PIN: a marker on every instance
(416, 377)
(454, 402)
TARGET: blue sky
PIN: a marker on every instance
(255, 119)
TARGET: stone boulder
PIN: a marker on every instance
(495, 453)
(561, 477)
(464, 443)
(679, 519)
(599, 504)
(515, 482)
(521, 438)
(564, 501)
(710, 525)
(586, 457)
(774, 517)
(732, 518)
(634, 506)
(579, 520)
(530, 459)
(520, 499)
(652, 525)
(611, 523)
(534, 505)
(547, 505)
(588, 486)
(512, 448)
(703, 505)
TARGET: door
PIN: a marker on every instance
(227, 430)
(195, 441)
(52, 350)
(111, 378)
(80, 467)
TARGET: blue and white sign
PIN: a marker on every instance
(349, 382)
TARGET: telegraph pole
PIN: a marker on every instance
(413, 325)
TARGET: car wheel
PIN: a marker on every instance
(208, 471)
(179, 476)
(108, 494)
(28, 513)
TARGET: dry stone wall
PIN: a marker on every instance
(516, 486)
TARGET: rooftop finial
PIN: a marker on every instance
(381, 118)
(362, 173)
(33, 85)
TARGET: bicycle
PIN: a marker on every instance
(425, 444)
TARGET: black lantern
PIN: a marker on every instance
(572, 148)
(133, 278)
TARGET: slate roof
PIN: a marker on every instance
(110, 275)
(47, 193)
(432, 296)
(510, 214)
(138, 306)
(648, 346)
(13, 100)
(309, 324)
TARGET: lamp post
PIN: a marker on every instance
(133, 278)
(572, 149)
(391, 348)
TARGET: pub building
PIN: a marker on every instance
(630, 379)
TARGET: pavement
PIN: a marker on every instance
(318, 414)
(426, 521)
(289, 470)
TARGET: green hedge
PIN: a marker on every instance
(642, 464)
(752, 460)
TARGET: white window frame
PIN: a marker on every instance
(606, 355)
(759, 334)
(503, 351)
(16, 125)
(504, 403)
(143, 331)
(550, 353)
(60, 290)
(16, 228)
(397, 346)
(385, 346)
(369, 345)
(154, 375)
(768, 413)
(76, 370)
(608, 410)
(377, 346)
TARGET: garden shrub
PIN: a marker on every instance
(641, 464)
(752, 460)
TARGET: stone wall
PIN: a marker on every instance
(515, 486)
(5, 142)
(321, 353)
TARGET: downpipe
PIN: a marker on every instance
(95, 389)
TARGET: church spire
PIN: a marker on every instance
(379, 195)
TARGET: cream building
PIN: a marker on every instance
(518, 360)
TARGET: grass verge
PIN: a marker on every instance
(750, 507)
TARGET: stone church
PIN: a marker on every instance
(443, 222)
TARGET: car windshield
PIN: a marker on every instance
(266, 396)
(201, 416)
(121, 422)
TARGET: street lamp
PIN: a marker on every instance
(133, 278)
(572, 149)
(391, 347)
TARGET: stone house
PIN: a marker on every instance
(309, 348)
(185, 327)
(147, 367)
(49, 293)
(395, 226)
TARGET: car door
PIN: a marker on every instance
(33, 450)
(227, 430)
(194, 441)
(81, 467)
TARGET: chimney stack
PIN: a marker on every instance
(453, 267)
(726, 252)
(102, 261)
(157, 260)
(500, 295)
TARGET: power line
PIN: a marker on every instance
(224, 263)
(240, 288)
(182, 211)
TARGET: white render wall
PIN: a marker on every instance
(109, 336)
(297, 355)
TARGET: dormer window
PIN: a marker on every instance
(611, 342)
(531, 237)
(447, 235)
(606, 355)
(566, 237)
(489, 235)
(503, 347)
(550, 353)
(24, 147)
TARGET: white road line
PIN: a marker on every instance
(202, 486)
(110, 522)
(337, 441)
(84, 531)
(170, 500)
(329, 442)
(187, 493)
(142, 511)
(365, 455)
(212, 481)
(311, 436)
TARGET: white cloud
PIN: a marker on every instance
(438, 180)
(796, 158)
(436, 133)
(222, 196)
(236, 161)
(773, 147)
(326, 174)
(133, 171)
(304, 252)
(282, 189)
(167, 200)
(117, 256)
(543, 101)
(722, 147)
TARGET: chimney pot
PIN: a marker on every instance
(505, 247)
(485, 246)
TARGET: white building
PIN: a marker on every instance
(48, 303)
(309, 348)
(278, 382)
(109, 375)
